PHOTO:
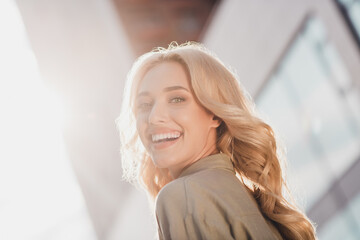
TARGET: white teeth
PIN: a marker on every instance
(162, 136)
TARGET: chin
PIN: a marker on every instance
(162, 162)
(159, 162)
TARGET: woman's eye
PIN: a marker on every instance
(177, 99)
(144, 105)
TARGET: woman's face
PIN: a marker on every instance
(175, 130)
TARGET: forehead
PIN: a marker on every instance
(164, 75)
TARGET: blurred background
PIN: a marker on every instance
(62, 69)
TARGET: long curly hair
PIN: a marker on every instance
(245, 138)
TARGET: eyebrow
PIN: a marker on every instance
(167, 89)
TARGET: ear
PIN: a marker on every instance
(216, 121)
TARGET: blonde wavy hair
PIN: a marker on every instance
(246, 139)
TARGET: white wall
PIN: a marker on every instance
(252, 36)
(83, 53)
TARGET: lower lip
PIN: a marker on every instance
(166, 144)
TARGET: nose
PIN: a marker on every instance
(158, 114)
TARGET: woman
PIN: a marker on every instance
(191, 138)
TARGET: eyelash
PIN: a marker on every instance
(177, 100)
(144, 105)
(174, 100)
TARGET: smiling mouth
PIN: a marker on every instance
(165, 137)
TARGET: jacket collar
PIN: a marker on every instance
(216, 161)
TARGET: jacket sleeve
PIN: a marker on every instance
(171, 210)
(180, 217)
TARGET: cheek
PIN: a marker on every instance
(202, 117)
(141, 127)
(185, 119)
(195, 120)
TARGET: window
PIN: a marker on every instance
(312, 102)
(351, 12)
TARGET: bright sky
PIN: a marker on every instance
(39, 195)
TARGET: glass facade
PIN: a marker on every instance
(311, 101)
(346, 224)
(352, 10)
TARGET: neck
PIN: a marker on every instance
(176, 171)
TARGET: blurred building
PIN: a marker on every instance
(300, 60)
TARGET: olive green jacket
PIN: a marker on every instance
(208, 201)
